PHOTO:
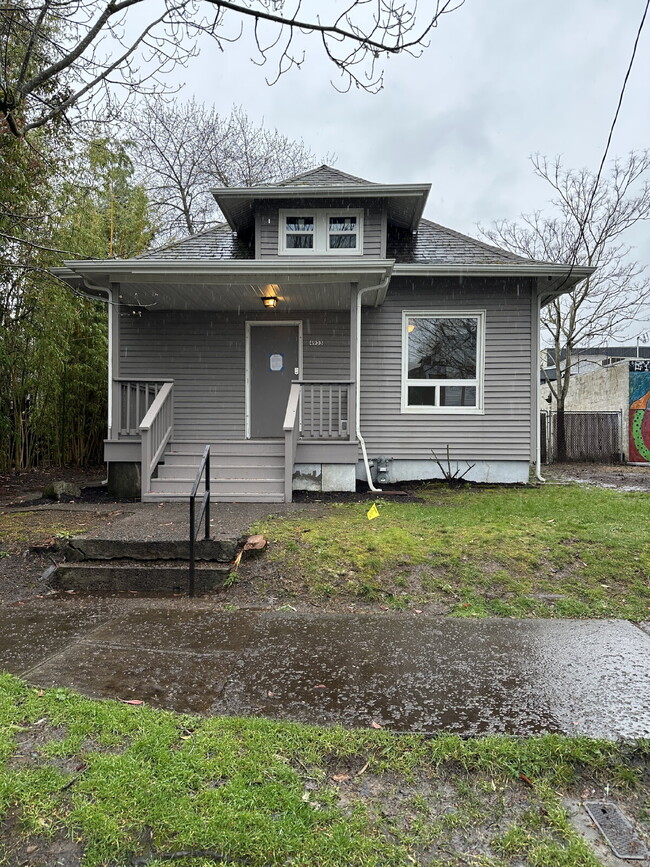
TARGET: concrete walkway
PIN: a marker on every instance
(402, 672)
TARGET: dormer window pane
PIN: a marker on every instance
(320, 232)
(299, 233)
(343, 242)
(300, 224)
(343, 224)
(342, 233)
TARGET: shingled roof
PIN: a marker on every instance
(323, 176)
(218, 242)
(431, 245)
(437, 245)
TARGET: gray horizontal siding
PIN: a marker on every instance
(205, 354)
(374, 245)
(504, 430)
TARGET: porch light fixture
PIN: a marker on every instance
(269, 301)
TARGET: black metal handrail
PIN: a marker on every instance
(195, 525)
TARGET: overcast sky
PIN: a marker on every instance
(501, 80)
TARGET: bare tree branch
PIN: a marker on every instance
(592, 216)
(184, 150)
(58, 54)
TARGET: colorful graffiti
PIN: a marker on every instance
(639, 412)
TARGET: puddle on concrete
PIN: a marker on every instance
(471, 677)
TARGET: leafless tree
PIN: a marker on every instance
(588, 227)
(184, 149)
(59, 54)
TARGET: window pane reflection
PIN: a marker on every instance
(442, 347)
(343, 242)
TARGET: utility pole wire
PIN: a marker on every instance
(582, 224)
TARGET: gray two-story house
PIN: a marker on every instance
(326, 333)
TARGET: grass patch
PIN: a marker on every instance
(554, 551)
(123, 783)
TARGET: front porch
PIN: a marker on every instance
(318, 448)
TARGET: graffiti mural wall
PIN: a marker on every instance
(639, 412)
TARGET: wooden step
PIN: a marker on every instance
(229, 447)
(221, 474)
(161, 496)
(223, 462)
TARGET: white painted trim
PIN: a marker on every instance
(321, 232)
(254, 323)
(479, 409)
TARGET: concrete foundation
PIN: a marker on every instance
(124, 479)
(324, 477)
(487, 472)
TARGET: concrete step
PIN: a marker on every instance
(215, 550)
(154, 576)
(221, 473)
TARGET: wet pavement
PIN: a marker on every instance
(399, 671)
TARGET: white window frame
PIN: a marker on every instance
(321, 232)
(437, 383)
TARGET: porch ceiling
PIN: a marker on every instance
(313, 285)
(236, 296)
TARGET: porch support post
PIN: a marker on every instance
(113, 361)
(352, 391)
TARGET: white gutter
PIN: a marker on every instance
(380, 287)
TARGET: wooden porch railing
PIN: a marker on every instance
(132, 399)
(325, 409)
(316, 409)
(156, 429)
(291, 430)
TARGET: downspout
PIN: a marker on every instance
(537, 392)
(109, 298)
(379, 287)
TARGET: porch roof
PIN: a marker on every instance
(208, 285)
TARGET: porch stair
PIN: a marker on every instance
(240, 471)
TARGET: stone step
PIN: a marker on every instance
(152, 577)
(215, 550)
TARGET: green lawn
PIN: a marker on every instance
(133, 785)
(552, 551)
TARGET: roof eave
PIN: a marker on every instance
(103, 272)
(223, 196)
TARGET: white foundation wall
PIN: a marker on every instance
(486, 472)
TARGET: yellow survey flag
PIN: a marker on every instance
(373, 512)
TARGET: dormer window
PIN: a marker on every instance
(321, 232)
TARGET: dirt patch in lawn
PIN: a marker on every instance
(617, 476)
(23, 487)
(32, 541)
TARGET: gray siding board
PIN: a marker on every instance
(374, 241)
(503, 431)
(205, 354)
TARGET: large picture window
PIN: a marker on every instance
(442, 362)
(321, 232)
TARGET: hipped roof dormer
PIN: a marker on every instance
(404, 202)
